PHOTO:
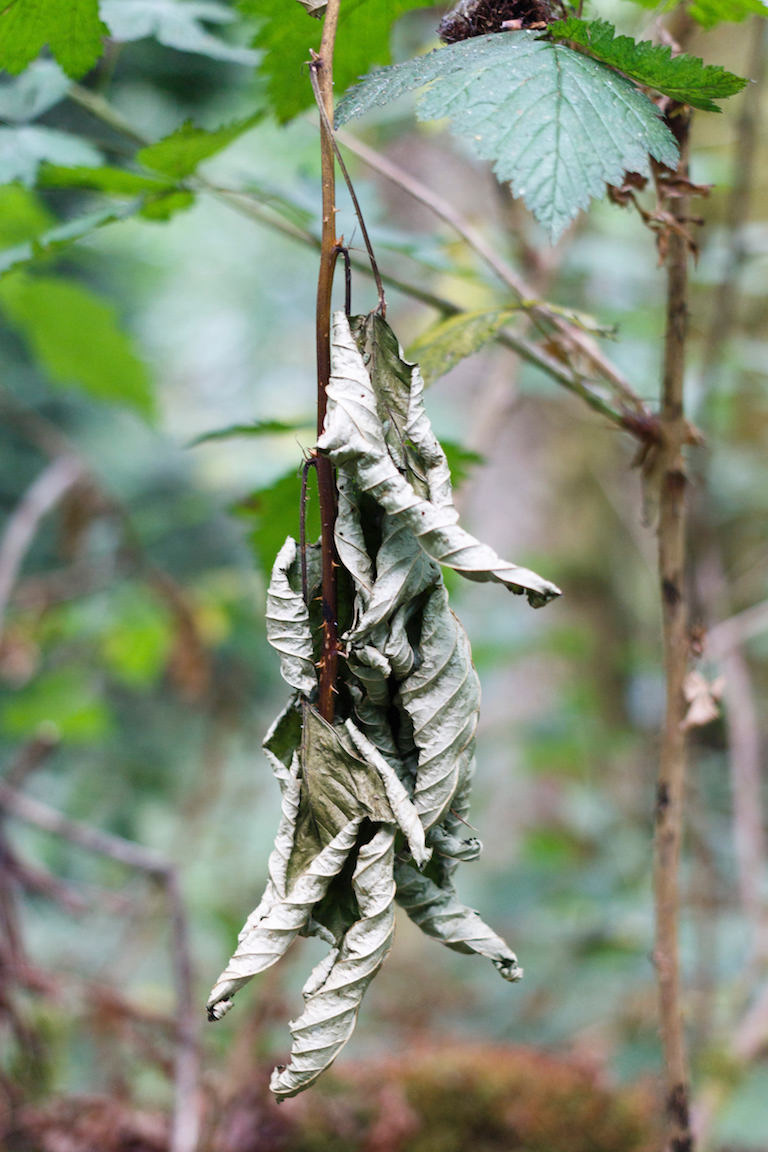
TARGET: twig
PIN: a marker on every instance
(322, 67)
(41, 497)
(670, 791)
(245, 204)
(573, 336)
(186, 1119)
(314, 68)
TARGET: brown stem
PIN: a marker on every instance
(322, 66)
(671, 776)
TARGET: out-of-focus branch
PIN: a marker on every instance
(41, 497)
(186, 1115)
(574, 339)
(670, 788)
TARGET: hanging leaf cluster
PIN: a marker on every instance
(375, 805)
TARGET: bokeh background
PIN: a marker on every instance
(136, 683)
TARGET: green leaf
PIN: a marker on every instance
(162, 206)
(274, 510)
(179, 154)
(556, 124)
(24, 149)
(39, 88)
(258, 428)
(684, 78)
(286, 37)
(450, 341)
(178, 24)
(112, 181)
(22, 215)
(62, 698)
(712, 12)
(75, 337)
(71, 29)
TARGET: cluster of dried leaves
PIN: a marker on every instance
(374, 807)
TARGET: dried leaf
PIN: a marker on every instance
(354, 437)
(288, 622)
(336, 987)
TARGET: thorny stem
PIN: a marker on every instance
(672, 763)
(322, 69)
(329, 133)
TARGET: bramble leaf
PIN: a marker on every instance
(450, 341)
(179, 154)
(556, 124)
(685, 78)
(286, 36)
(75, 336)
(72, 31)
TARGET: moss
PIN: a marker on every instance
(452, 1099)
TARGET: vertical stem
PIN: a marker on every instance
(670, 793)
(323, 68)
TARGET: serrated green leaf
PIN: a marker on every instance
(72, 30)
(179, 154)
(286, 37)
(178, 24)
(25, 148)
(75, 336)
(556, 124)
(686, 79)
(112, 181)
(450, 341)
(40, 87)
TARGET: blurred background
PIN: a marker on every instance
(136, 683)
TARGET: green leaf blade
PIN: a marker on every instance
(72, 30)
(179, 154)
(686, 79)
(75, 337)
(556, 124)
(286, 36)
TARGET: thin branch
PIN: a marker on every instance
(670, 790)
(573, 336)
(560, 371)
(322, 69)
(314, 68)
(186, 1119)
(41, 497)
